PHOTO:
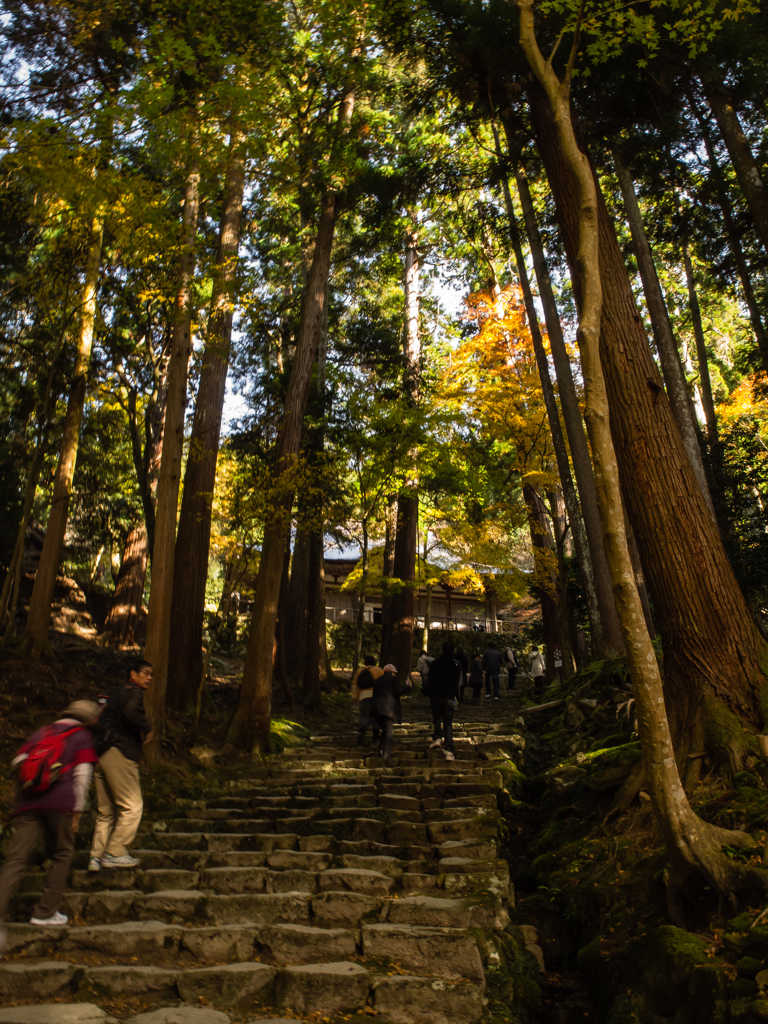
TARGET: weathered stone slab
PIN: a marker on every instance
(123, 980)
(34, 940)
(56, 1013)
(240, 879)
(466, 828)
(298, 860)
(323, 988)
(229, 985)
(220, 942)
(445, 952)
(163, 879)
(174, 905)
(404, 833)
(291, 881)
(356, 880)
(110, 906)
(403, 999)
(344, 909)
(258, 908)
(389, 866)
(369, 829)
(295, 943)
(181, 1015)
(34, 981)
(129, 938)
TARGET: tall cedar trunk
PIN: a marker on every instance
(713, 652)
(122, 621)
(251, 723)
(35, 637)
(9, 598)
(316, 655)
(11, 587)
(296, 612)
(279, 649)
(360, 612)
(564, 618)
(388, 571)
(742, 158)
(406, 540)
(612, 640)
(193, 540)
(693, 845)
(156, 648)
(716, 174)
(705, 382)
(558, 442)
(121, 626)
(543, 558)
(314, 665)
(666, 345)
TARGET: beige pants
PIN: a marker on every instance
(118, 791)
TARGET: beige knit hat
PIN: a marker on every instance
(85, 711)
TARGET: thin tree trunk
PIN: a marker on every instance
(742, 158)
(156, 648)
(666, 345)
(613, 642)
(388, 571)
(578, 531)
(279, 649)
(296, 612)
(692, 844)
(705, 384)
(406, 540)
(251, 723)
(544, 560)
(360, 616)
(34, 640)
(121, 626)
(193, 539)
(713, 653)
(755, 315)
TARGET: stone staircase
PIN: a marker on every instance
(322, 886)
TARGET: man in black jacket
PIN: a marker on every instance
(444, 679)
(118, 787)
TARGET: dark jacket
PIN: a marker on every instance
(133, 725)
(444, 678)
(387, 692)
(492, 661)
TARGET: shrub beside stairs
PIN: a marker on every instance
(323, 886)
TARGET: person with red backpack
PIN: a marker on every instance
(54, 768)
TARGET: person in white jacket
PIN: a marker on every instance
(538, 668)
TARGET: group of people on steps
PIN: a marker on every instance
(378, 691)
(55, 767)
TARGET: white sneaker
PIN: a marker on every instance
(53, 920)
(435, 744)
(126, 861)
(94, 864)
(449, 756)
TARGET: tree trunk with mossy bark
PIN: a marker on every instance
(34, 640)
(715, 659)
(694, 846)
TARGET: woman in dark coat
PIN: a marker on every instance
(476, 678)
(385, 707)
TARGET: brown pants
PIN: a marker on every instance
(28, 827)
(118, 792)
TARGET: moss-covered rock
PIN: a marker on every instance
(673, 957)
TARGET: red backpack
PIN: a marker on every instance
(42, 766)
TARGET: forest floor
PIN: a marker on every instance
(591, 882)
